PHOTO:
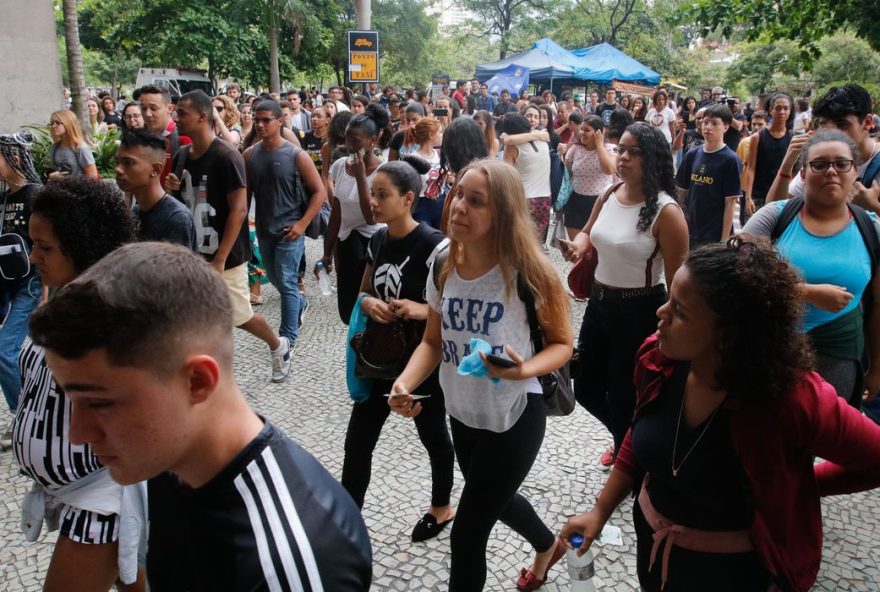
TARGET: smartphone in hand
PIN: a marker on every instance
(499, 361)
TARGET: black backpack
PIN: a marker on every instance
(866, 229)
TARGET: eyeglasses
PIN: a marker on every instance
(633, 152)
(219, 108)
(840, 166)
(133, 116)
(55, 123)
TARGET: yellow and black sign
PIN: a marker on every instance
(363, 56)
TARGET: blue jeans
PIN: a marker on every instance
(22, 301)
(281, 259)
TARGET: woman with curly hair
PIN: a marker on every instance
(639, 108)
(227, 119)
(74, 223)
(729, 418)
(640, 235)
(824, 242)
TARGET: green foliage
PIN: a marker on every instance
(846, 57)
(503, 17)
(766, 66)
(103, 147)
(873, 88)
(803, 21)
(40, 148)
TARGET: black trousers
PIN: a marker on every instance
(611, 333)
(351, 260)
(494, 466)
(366, 423)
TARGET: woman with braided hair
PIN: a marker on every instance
(641, 237)
(20, 295)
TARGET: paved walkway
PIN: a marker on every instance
(313, 407)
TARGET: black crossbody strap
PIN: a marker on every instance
(535, 331)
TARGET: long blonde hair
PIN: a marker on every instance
(515, 243)
(73, 131)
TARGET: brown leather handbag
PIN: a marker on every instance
(583, 274)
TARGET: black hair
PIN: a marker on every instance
(463, 142)
(201, 102)
(658, 173)
(337, 127)
(152, 89)
(272, 106)
(89, 217)
(374, 119)
(801, 105)
(420, 96)
(753, 293)
(575, 117)
(361, 99)
(617, 124)
(131, 104)
(595, 122)
(720, 111)
(515, 123)
(841, 101)
(768, 105)
(14, 148)
(144, 138)
(415, 108)
(394, 100)
(406, 174)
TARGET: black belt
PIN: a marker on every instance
(601, 292)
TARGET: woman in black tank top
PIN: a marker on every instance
(766, 150)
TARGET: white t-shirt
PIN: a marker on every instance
(345, 190)
(533, 164)
(481, 308)
(661, 120)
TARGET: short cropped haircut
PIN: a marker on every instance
(89, 217)
(130, 305)
(720, 111)
(143, 138)
(200, 102)
(271, 106)
(152, 89)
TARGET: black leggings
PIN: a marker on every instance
(494, 465)
(351, 260)
(611, 334)
(366, 423)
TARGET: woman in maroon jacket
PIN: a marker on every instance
(729, 417)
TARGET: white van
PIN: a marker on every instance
(178, 81)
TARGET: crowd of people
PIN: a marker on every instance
(435, 214)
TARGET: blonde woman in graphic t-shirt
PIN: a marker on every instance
(497, 428)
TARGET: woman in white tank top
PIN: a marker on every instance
(532, 161)
(641, 237)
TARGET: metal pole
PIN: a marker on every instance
(363, 10)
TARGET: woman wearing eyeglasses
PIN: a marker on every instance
(641, 237)
(226, 122)
(824, 242)
(132, 116)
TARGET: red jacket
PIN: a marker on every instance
(776, 440)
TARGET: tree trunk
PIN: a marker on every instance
(74, 65)
(274, 75)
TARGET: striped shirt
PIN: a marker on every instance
(274, 519)
(41, 431)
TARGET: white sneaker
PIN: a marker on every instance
(281, 360)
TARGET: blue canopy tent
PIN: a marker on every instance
(604, 63)
(540, 64)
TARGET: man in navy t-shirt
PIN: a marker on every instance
(709, 181)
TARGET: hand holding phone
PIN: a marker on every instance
(499, 361)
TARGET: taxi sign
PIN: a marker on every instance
(363, 56)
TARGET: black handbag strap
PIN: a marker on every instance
(383, 233)
(535, 331)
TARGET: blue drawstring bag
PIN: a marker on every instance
(358, 388)
(472, 364)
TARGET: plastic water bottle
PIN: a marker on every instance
(324, 279)
(580, 569)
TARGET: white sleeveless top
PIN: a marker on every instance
(627, 257)
(533, 164)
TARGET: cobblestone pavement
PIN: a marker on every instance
(313, 407)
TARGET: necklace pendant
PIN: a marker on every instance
(675, 472)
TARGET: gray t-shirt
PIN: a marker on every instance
(70, 160)
(275, 183)
(167, 221)
(481, 308)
